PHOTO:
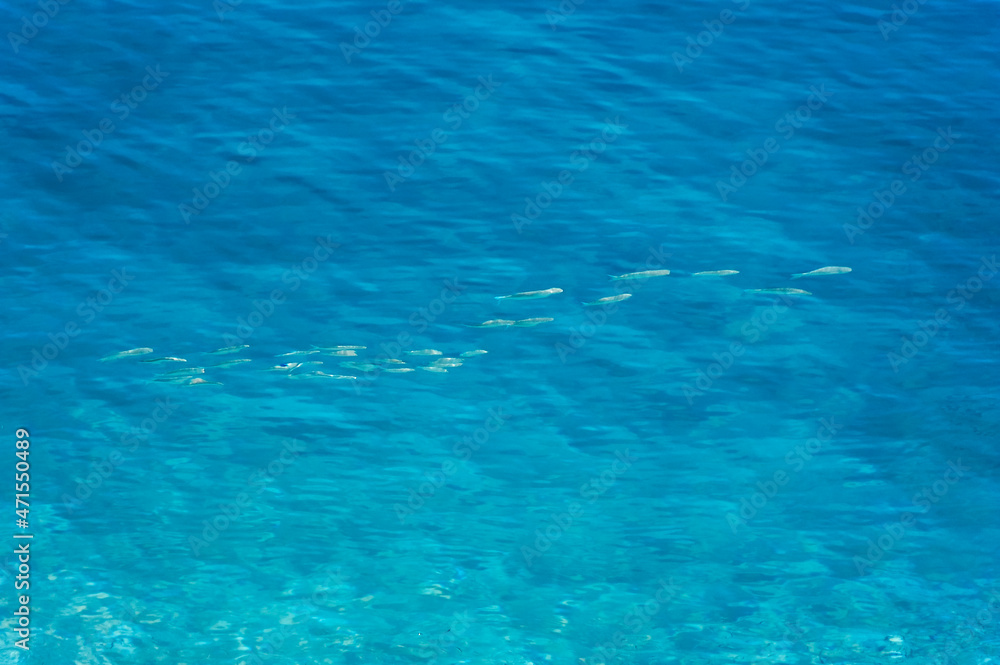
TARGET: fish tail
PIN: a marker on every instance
(797, 275)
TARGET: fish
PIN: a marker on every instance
(319, 375)
(361, 367)
(424, 352)
(126, 354)
(447, 362)
(172, 379)
(531, 295)
(470, 354)
(231, 363)
(609, 299)
(715, 273)
(783, 291)
(203, 382)
(826, 270)
(393, 361)
(229, 349)
(434, 368)
(527, 323)
(168, 359)
(641, 275)
(494, 323)
(308, 352)
(186, 370)
(287, 367)
(341, 352)
(340, 347)
(397, 370)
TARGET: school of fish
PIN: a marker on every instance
(301, 365)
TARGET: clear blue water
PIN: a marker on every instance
(698, 474)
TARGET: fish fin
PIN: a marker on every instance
(798, 274)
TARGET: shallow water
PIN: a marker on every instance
(698, 473)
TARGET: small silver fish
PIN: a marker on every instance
(470, 354)
(715, 273)
(186, 370)
(168, 359)
(172, 379)
(641, 275)
(527, 323)
(229, 349)
(434, 368)
(319, 375)
(308, 352)
(826, 270)
(341, 352)
(447, 362)
(424, 352)
(126, 354)
(361, 367)
(232, 363)
(397, 370)
(609, 299)
(782, 291)
(203, 382)
(531, 295)
(494, 323)
(339, 348)
(287, 367)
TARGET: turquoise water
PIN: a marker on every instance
(700, 473)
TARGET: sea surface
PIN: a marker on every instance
(709, 471)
